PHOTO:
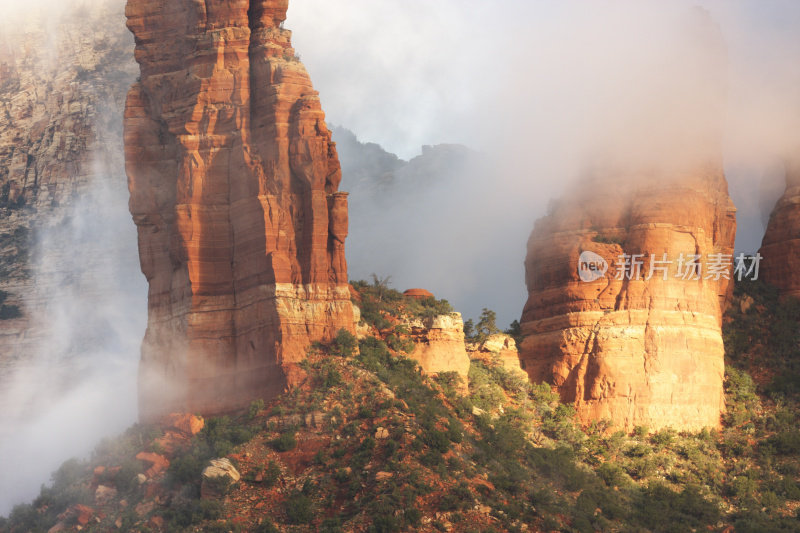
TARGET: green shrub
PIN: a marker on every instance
(613, 475)
(266, 526)
(330, 376)
(608, 239)
(344, 344)
(183, 515)
(285, 442)
(401, 344)
(256, 406)
(438, 440)
(299, 509)
(786, 442)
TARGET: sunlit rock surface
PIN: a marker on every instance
(635, 351)
(234, 188)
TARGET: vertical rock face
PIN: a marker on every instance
(781, 245)
(635, 351)
(234, 189)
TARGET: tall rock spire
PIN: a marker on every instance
(234, 189)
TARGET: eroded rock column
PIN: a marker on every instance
(234, 189)
(640, 345)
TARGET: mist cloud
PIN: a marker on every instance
(542, 88)
(73, 380)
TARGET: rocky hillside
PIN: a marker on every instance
(369, 443)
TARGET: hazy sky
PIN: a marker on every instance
(536, 84)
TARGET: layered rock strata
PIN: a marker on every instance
(234, 188)
(639, 345)
(61, 169)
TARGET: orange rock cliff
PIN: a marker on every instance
(781, 246)
(233, 182)
(635, 351)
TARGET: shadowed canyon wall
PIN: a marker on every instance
(234, 189)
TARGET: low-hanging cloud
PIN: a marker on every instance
(73, 380)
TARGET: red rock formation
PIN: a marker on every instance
(642, 348)
(635, 351)
(233, 180)
(780, 248)
(420, 294)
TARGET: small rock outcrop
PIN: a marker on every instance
(420, 294)
(218, 476)
(440, 344)
(499, 346)
(780, 248)
(234, 184)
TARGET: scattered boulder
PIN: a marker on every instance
(189, 425)
(158, 463)
(218, 477)
(104, 495)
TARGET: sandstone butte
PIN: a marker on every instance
(780, 248)
(632, 351)
(233, 182)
